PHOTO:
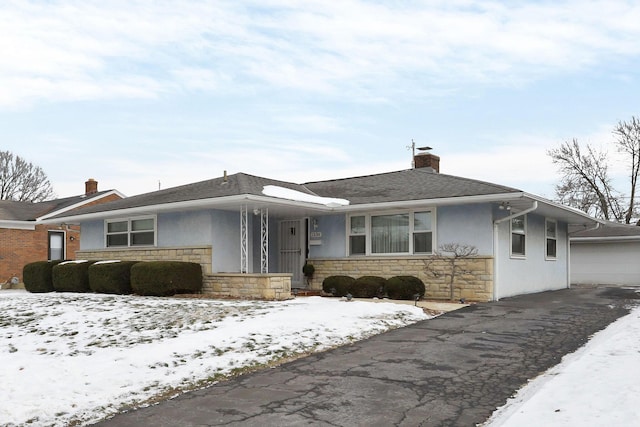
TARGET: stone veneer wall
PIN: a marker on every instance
(251, 286)
(475, 285)
(199, 254)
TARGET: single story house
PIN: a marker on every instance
(246, 231)
(606, 255)
(24, 239)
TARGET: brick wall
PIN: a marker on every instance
(21, 247)
(475, 285)
(198, 254)
(251, 286)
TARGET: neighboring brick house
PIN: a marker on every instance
(23, 239)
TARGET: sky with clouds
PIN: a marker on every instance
(138, 94)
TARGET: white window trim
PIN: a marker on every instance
(524, 233)
(546, 237)
(129, 220)
(367, 233)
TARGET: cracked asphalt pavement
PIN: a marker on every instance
(453, 370)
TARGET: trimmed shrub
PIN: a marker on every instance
(111, 277)
(339, 286)
(368, 287)
(71, 276)
(166, 278)
(404, 287)
(37, 276)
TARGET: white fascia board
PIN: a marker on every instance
(445, 201)
(189, 204)
(608, 239)
(17, 225)
(577, 213)
(79, 204)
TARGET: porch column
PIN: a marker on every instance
(264, 240)
(244, 240)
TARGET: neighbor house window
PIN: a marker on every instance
(131, 232)
(518, 236)
(551, 237)
(393, 233)
(357, 235)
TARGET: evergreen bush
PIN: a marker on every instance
(165, 278)
(369, 287)
(71, 276)
(37, 276)
(339, 286)
(405, 287)
(111, 277)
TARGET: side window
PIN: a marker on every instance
(551, 238)
(357, 236)
(518, 236)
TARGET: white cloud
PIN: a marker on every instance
(328, 48)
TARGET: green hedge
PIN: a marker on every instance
(37, 276)
(165, 278)
(369, 287)
(404, 287)
(111, 277)
(339, 286)
(71, 276)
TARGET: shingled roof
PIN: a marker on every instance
(410, 184)
(232, 185)
(406, 185)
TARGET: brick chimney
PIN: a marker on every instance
(427, 160)
(90, 187)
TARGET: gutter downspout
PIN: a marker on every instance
(533, 207)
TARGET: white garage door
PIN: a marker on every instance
(605, 263)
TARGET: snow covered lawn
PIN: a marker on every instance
(80, 357)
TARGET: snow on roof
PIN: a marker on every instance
(286, 193)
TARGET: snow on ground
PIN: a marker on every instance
(598, 385)
(68, 357)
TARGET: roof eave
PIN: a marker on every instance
(17, 225)
(190, 204)
(443, 201)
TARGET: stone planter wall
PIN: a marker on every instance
(475, 285)
(250, 286)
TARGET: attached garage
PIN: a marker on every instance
(609, 255)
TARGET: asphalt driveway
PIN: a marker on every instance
(450, 371)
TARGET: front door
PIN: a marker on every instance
(56, 245)
(291, 238)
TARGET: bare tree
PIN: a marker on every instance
(585, 182)
(628, 142)
(22, 181)
(450, 254)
